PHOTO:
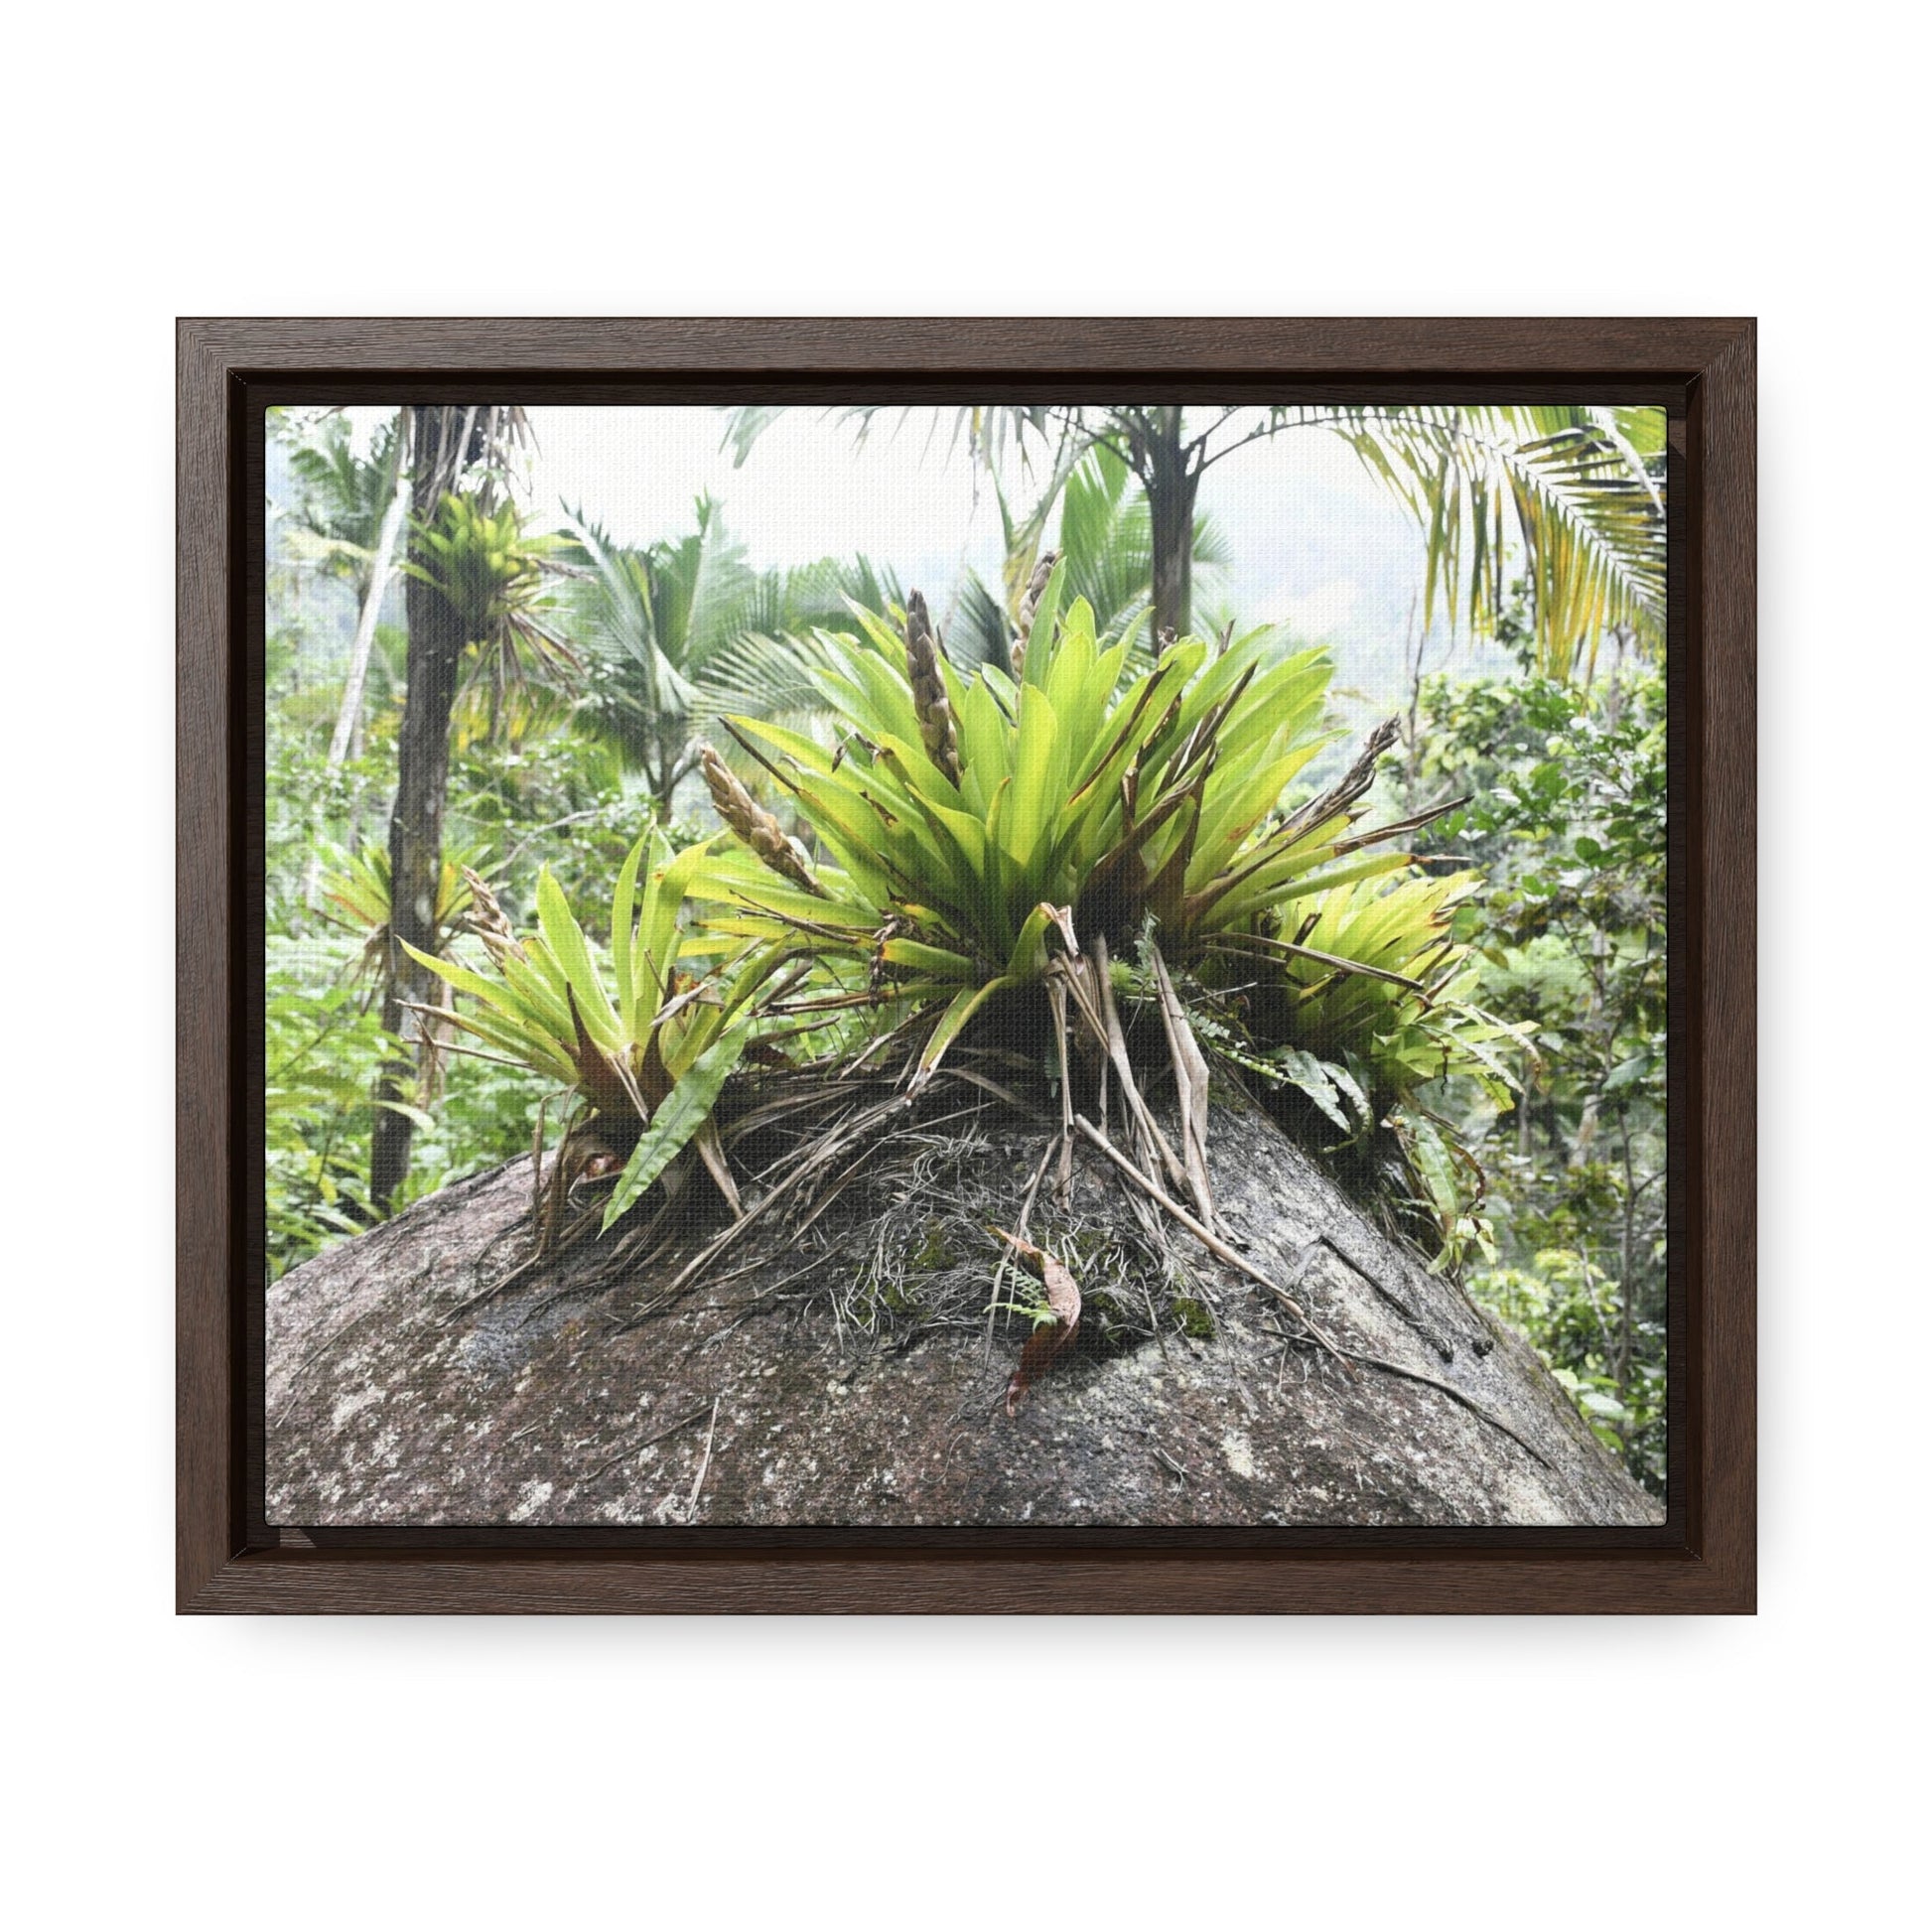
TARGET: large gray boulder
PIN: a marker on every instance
(847, 1374)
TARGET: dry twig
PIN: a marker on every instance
(697, 1483)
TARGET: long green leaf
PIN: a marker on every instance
(684, 1110)
(566, 941)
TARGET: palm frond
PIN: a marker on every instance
(978, 629)
(1106, 537)
(1566, 484)
(1567, 488)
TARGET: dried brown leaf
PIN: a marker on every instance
(1190, 1079)
(1048, 1338)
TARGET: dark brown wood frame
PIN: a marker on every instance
(1703, 371)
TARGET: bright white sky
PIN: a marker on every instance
(1311, 531)
(1317, 543)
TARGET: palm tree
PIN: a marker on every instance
(1106, 537)
(498, 577)
(681, 632)
(341, 495)
(352, 511)
(1571, 483)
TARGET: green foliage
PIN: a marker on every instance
(497, 577)
(340, 496)
(684, 1110)
(551, 797)
(320, 1051)
(480, 1113)
(1576, 489)
(1330, 1085)
(644, 1048)
(1106, 544)
(974, 826)
(677, 633)
(1033, 1306)
(1566, 817)
(1451, 1185)
(1106, 548)
(972, 830)
(1411, 1017)
(1572, 1313)
(324, 1047)
(1573, 486)
(356, 886)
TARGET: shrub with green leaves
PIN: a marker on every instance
(320, 1049)
(1612, 1366)
(1412, 1023)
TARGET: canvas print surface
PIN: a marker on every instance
(1095, 965)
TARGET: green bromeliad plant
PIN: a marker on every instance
(498, 579)
(355, 896)
(976, 829)
(981, 841)
(641, 1044)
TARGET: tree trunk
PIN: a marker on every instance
(852, 1377)
(436, 644)
(1171, 491)
(382, 568)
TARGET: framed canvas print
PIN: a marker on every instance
(1030, 966)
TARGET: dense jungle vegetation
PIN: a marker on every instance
(562, 830)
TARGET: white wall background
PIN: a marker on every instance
(1647, 159)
